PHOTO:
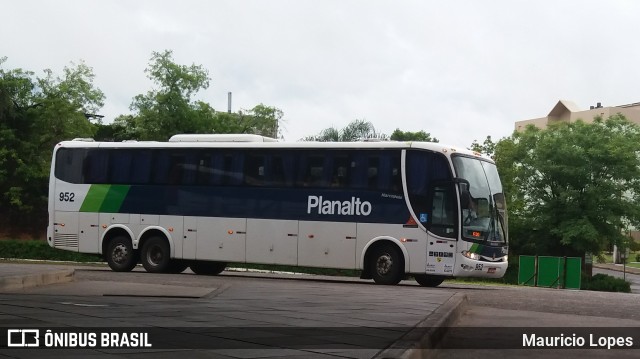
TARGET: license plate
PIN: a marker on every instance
(491, 270)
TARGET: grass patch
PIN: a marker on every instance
(39, 249)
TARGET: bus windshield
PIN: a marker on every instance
(483, 208)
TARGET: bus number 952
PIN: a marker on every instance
(67, 196)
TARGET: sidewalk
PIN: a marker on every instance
(17, 276)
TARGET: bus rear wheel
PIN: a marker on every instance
(208, 268)
(427, 280)
(120, 254)
(386, 265)
(155, 256)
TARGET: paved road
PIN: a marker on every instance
(261, 305)
(235, 310)
(493, 313)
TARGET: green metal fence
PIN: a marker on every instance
(550, 272)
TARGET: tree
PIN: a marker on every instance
(572, 188)
(163, 112)
(170, 109)
(419, 136)
(35, 114)
(488, 147)
(260, 120)
(356, 130)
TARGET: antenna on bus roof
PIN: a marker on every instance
(221, 138)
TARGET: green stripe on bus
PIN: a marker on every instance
(94, 198)
(475, 248)
(115, 197)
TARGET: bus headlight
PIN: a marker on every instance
(474, 256)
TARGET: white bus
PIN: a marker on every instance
(388, 209)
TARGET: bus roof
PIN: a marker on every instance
(219, 137)
(184, 143)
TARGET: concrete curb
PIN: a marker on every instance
(426, 335)
(35, 280)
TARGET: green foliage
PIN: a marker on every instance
(260, 120)
(572, 188)
(488, 147)
(35, 114)
(38, 249)
(169, 109)
(356, 130)
(605, 283)
(419, 136)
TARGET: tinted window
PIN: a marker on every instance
(426, 174)
(69, 164)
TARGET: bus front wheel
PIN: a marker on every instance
(155, 255)
(207, 268)
(120, 254)
(427, 280)
(386, 264)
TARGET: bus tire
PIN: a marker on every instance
(120, 254)
(427, 280)
(387, 266)
(155, 255)
(207, 268)
(176, 266)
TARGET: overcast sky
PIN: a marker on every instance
(460, 70)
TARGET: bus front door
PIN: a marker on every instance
(442, 233)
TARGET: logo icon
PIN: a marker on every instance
(23, 337)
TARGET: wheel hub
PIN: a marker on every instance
(120, 253)
(155, 255)
(383, 264)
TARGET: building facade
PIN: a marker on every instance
(567, 111)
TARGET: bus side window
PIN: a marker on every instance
(359, 166)
(314, 172)
(95, 166)
(141, 166)
(176, 168)
(232, 168)
(160, 171)
(254, 168)
(69, 162)
(205, 169)
(120, 166)
(389, 172)
(340, 172)
(372, 172)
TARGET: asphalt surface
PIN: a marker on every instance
(388, 317)
(234, 315)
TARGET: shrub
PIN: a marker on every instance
(39, 249)
(606, 283)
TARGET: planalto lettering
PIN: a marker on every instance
(354, 207)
